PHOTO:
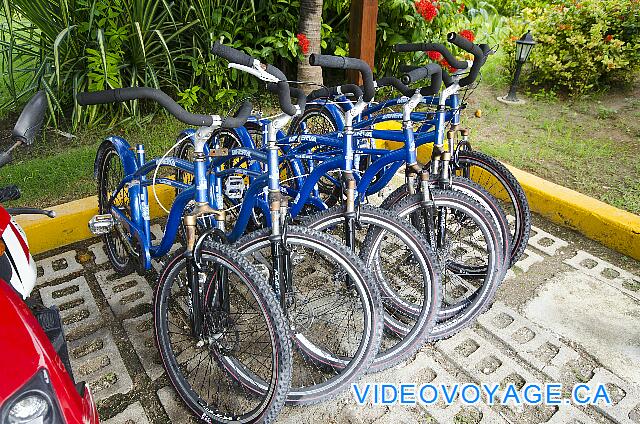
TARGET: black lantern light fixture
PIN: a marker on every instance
(523, 49)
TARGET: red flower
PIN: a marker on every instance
(433, 55)
(446, 65)
(608, 38)
(304, 43)
(461, 8)
(427, 9)
(468, 34)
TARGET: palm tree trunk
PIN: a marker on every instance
(309, 24)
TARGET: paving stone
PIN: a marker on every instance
(528, 259)
(538, 346)
(569, 414)
(96, 359)
(174, 407)
(58, 266)
(99, 253)
(487, 364)
(545, 242)
(454, 412)
(141, 334)
(606, 272)
(624, 396)
(124, 293)
(77, 306)
(133, 414)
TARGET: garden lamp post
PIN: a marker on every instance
(523, 48)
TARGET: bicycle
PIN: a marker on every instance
(492, 271)
(211, 306)
(418, 260)
(474, 165)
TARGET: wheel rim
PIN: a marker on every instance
(112, 175)
(240, 341)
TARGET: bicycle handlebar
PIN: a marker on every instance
(282, 88)
(335, 91)
(241, 58)
(339, 62)
(436, 47)
(119, 95)
(478, 56)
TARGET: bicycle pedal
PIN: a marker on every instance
(234, 187)
(101, 224)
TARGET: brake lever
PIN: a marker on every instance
(31, 211)
(256, 71)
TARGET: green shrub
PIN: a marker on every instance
(514, 7)
(70, 46)
(583, 44)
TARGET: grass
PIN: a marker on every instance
(57, 170)
(589, 144)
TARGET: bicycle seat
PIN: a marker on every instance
(31, 119)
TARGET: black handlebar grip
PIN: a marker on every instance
(430, 70)
(464, 44)
(276, 72)
(415, 75)
(240, 118)
(231, 54)
(283, 91)
(96, 98)
(302, 98)
(339, 62)
(397, 84)
(447, 79)
(478, 57)
(133, 93)
(435, 47)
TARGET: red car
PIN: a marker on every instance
(36, 387)
(36, 380)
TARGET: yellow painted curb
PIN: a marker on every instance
(71, 222)
(613, 227)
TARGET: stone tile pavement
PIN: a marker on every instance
(568, 312)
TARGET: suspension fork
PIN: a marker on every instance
(350, 217)
(194, 283)
(280, 277)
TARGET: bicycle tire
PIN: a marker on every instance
(475, 191)
(313, 360)
(251, 286)
(383, 226)
(454, 318)
(109, 173)
(517, 198)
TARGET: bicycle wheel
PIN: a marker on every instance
(500, 182)
(398, 257)
(110, 173)
(244, 334)
(476, 192)
(470, 237)
(333, 309)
